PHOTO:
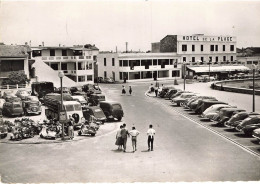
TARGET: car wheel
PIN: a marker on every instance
(92, 135)
(182, 104)
(119, 118)
(79, 133)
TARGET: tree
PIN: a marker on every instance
(17, 77)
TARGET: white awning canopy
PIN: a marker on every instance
(228, 68)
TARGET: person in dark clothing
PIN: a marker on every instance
(130, 90)
(150, 133)
(123, 90)
(124, 135)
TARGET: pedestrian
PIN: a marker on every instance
(151, 89)
(123, 90)
(119, 140)
(134, 133)
(156, 91)
(150, 133)
(130, 90)
(124, 134)
(70, 128)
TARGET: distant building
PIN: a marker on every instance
(13, 58)
(77, 62)
(249, 56)
(138, 66)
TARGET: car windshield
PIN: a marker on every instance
(34, 103)
(77, 107)
(116, 106)
(17, 105)
(69, 108)
(98, 113)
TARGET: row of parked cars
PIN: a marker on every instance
(218, 112)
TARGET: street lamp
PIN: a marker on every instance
(184, 77)
(254, 68)
(209, 69)
(97, 71)
(61, 75)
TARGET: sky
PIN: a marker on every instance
(110, 24)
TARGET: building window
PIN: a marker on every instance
(125, 62)
(184, 47)
(81, 78)
(94, 58)
(176, 73)
(224, 58)
(210, 59)
(105, 61)
(255, 62)
(193, 48)
(52, 52)
(63, 66)
(154, 62)
(216, 58)
(89, 77)
(231, 47)
(249, 62)
(113, 61)
(184, 59)
(64, 52)
(202, 59)
(36, 53)
(216, 47)
(231, 58)
(121, 75)
(171, 61)
(224, 47)
(201, 47)
(193, 59)
(105, 74)
(120, 63)
(211, 47)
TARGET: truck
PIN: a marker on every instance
(70, 108)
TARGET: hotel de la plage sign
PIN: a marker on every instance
(207, 38)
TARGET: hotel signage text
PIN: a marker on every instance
(208, 38)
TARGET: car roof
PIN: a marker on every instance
(109, 102)
(232, 109)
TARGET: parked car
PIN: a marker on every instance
(23, 94)
(112, 110)
(178, 94)
(31, 98)
(95, 99)
(248, 121)
(91, 89)
(13, 109)
(225, 114)
(213, 111)
(109, 80)
(205, 78)
(96, 111)
(204, 104)
(64, 90)
(10, 93)
(238, 118)
(248, 129)
(75, 89)
(197, 102)
(165, 91)
(171, 93)
(256, 133)
(180, 100)
(13, 99)
(100, 79)
(81, 100)
(32, 107)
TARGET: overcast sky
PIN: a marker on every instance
(108, 24)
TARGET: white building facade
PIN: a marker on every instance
(138, 66)
(76, 62)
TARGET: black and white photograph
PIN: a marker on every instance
(129, 91)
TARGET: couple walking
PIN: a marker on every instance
(122, 134)
(124, 91)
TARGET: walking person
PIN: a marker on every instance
(134, 133)
(123, 90)
(119, 140)
(130, 90)
(124, 134)
(150, 133)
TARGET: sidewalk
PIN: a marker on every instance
(103, 130)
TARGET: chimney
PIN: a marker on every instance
(43, 44)
(126, 44)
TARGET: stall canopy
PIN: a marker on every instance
(229, 68)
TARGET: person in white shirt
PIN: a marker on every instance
(134, 133)
(150, 133)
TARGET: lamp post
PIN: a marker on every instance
(254, 67)
(209, 69)
(97, 72)
(61, 75)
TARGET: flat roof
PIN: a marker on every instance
(228, 68)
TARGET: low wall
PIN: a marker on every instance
(223, 86)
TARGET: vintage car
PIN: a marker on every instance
(91, 89)
(81, 100)
(170, 93)
(204, 104)
(238, 118)
(23, 94)
(32, 107)
(95, 99)
(13, 99)
(213, 111)
(112, 110)
(65, 90)
(225, 114)
(256, 133)
(75, 89)
(81, 93)
(10, 93)
(248, 121)
(180, 100)
(95, 111)
(164, 91)
(248, 129)
(109, 80)
(13, 109)
(197, 102)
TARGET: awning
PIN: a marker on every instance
(229, 68)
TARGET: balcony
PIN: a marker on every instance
(143, 68)
(65, 58)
